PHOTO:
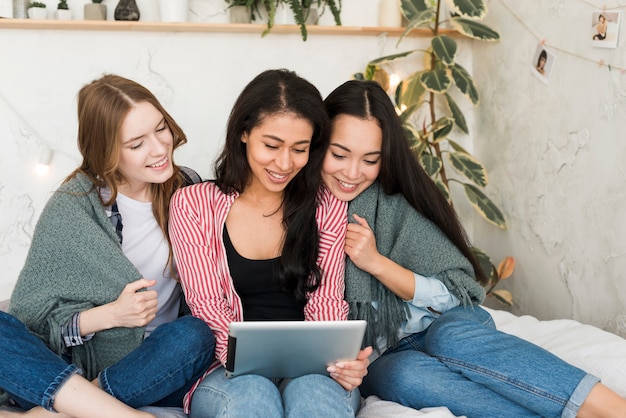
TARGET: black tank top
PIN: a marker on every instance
(257, 286)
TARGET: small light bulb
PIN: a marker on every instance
(43, 166)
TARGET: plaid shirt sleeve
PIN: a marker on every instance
(71, 332)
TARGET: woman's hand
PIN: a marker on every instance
(132, 308)
(349, 374)
(361, 245)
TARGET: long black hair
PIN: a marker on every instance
(399, 170)
(282, 92)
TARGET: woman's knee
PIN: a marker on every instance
(249, 396)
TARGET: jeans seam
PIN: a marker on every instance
(505, 379)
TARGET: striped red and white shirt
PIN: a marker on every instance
(197, 218)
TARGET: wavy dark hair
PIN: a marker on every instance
(275, 92)
(399, 170)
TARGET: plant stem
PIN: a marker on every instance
(433, 116)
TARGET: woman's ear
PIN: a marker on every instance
(244, 138)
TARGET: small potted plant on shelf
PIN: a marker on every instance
(240, 11)
(37, 10)
(95, 10)
(299, 8)
(63, 11)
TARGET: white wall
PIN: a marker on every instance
(555, 156)
(197, 76)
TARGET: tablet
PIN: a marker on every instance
(281, 349)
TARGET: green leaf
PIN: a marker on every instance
(444, 48)
(412, 90)
(412, 8)
(443, 188)
(469, 167)
(474, 29)
(387, 58)
(442, 128)
(406, 114)
(455, 146)
(457, 115)
(370, 70)
(436, 81)
(485, 263)
(476, 9)
(503, 296)
(464, 82)
(431, 164)
(484, 206)
(419, 20)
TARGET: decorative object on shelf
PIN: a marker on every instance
(6, 8)
(127, 10)
(239, 11)
(63, 11)
(389, 14)
(174, 10)
(20, 9)
(427, 92)
(95, 10)
(37, 10)
(267, 10)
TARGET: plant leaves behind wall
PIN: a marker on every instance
(485, 263)
(503, 296)
(476, 9)
(464, 82)
(410, 92)
(436, 81)
(444, 48)
(431, 164)
(411, 8)
(442, 128)
(474, 29)
(506, 267)
(484, 206)
(443, 188)
(457, 115)
(469, 167)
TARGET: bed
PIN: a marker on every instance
(596, 351)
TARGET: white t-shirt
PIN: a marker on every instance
(145, 246)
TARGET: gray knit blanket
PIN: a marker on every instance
(75, 262)
(408, 238)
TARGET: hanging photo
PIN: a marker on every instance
(605, 28)
(542, 63)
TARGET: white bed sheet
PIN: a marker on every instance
(596, 351)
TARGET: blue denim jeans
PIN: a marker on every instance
(159, 372)
(252, 396)
(462, 362)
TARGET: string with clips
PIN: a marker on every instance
(601, 63)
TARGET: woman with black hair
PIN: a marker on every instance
(412, 275)
(265, 242)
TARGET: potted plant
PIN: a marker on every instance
(63, 11)
(37, 10)
(267, 10)
(431, 116)
(240, 11)
(95, 10)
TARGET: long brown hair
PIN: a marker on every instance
(102, 107)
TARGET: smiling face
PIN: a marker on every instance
(146, 151)
(276, 151)
(352, 162)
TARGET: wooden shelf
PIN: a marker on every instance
(113, 25)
